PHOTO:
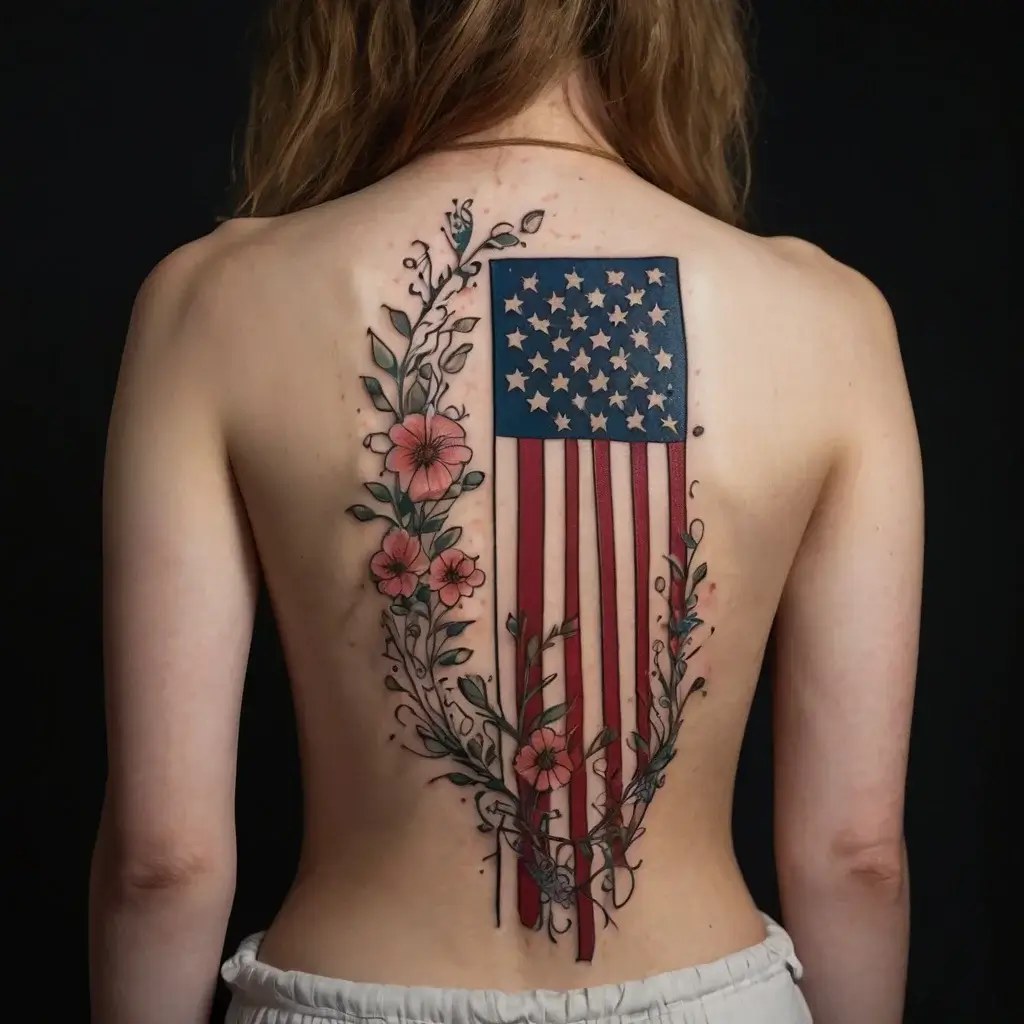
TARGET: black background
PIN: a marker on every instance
(883, 135)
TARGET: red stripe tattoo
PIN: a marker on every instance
(578, 824)
(677, 526)
(609, 621)
(530, 590)
(642, 575)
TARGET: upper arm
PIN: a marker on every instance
(179, 586)
(847, 626)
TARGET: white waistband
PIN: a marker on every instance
(258, 984)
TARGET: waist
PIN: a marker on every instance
(755, 983)
(414, 924)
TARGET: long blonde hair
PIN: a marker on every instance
(348, 91)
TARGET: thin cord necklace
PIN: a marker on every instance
(576, 147)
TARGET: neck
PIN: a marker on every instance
(558, 114)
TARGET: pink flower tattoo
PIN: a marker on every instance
(398, 564)
(428, 454)
(544, 762)
(454, 575)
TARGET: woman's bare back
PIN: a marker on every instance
(522, 665)
(527, 449)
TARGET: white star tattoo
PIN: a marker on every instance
(516, 380)
(560, 383)
(530, 283)
(639, 338)
(579, 401)
(538, 402)
(556, 302)
(581, 361)
(600, 340)
(514, 305)
(670, 424)
(560, 344)
(598, 422)
(617, 400)
(635, 296)
(617, 316)
(635, 421)
(619, 361)
(561, 421)
(573, 280)
(599, 383)
(615, 276)
(664, 360)
(657, 314)
(538, 362)
(655, 399)
(537, 324)
(578, 322)
(596, 298)
(516, 339)
(655, 276)
(638, 380)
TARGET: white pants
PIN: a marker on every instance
(754, 986)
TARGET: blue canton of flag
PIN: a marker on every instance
(589, 349)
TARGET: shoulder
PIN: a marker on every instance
(183, 288)
(850, 341)
(187, 313)
(208, 303)
(806, 307)
(800, 327)
(832, 292)
(816, 310)
(847, 331)
(792, 278)
(244, 268)
(823, 271)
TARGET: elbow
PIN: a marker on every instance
(168, 871)
(188, 888)
(877, 864)
(851, 860)
(165, 870)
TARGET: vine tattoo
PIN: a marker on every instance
(579, 867)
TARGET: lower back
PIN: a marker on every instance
(395, 887)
